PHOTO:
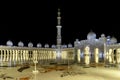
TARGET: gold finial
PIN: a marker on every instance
(58, 12)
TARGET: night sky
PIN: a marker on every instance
(36, 22)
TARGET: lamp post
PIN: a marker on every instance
(35, 71)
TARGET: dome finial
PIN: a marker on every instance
(91, 30)
(59, 17)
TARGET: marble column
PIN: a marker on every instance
(4, 55)
(118, 56)
(1, 54)
(23, 55)
(10, 60)
(96, 55)
(87, 56)
(78, 55)
(54, 55)
(105, 53)
(34, 55)
(110, 56)
(27, 55)
(7, 55)
(1, 58)
(16, 53)
(40, 55)
(13, 59)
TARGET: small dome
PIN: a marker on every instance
(9, 43)
(69, 45)
(113, 40)
(20, 44)
(30, 44)
(108, 37)
(46, 46)
(76, 42)
(91, 35)
(64, 46)
(39, 45)
(102, 35)
(53, 46)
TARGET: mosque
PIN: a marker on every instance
(104, 50)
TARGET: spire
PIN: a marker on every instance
(59, 18)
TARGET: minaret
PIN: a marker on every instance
(58, 50)
(59, 30)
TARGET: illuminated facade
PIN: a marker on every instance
(102, 50)
(92, 50)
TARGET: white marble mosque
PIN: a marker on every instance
(105, 50)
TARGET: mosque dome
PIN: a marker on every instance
(91, 35)
(46, 46)
(102, 35)
(108, 38)
(53, 46)
(39, 45)
(113, 40)
(20, 44)
(30, 44)
(69, 45)
(64, 46)
(9, 43)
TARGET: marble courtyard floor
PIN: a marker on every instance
(92, 73)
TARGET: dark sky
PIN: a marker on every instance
(36, 22)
